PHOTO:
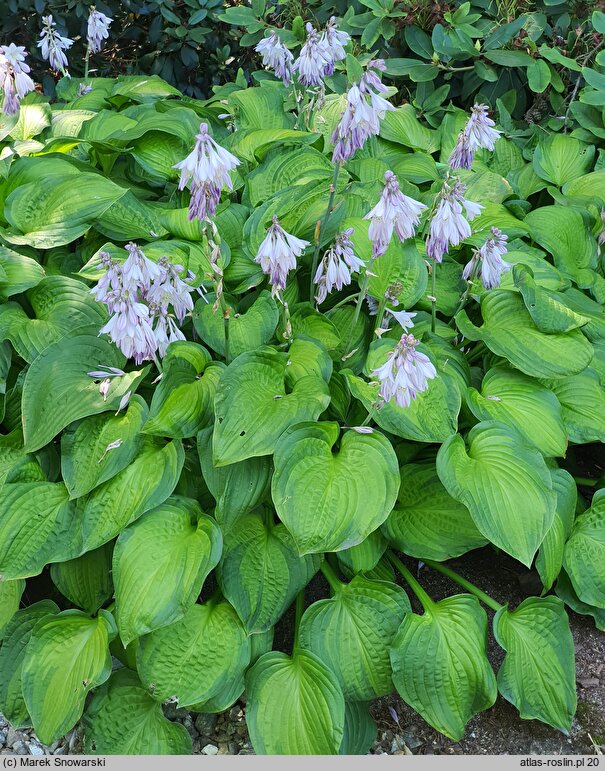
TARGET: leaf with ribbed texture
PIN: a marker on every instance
(520, 402)
(567, 593)
(12, 652)
(549, 310)
(509, 331)
(584, 558)
(10, 597)
(195, 658)
(86, 580)
(332, 500)
(440, 666)
(261, 573)
(550, 556)
(160, 564)
(86, 461)
(38, 524)
(561, 158)
(66, 657)
(426, 522)
(18, 272)
(360, 729)
(57, 390)
(365, 556)
(307, 358)
(123, 719)
(504, 483)
(582, 402)
(310, 323)
(538, 672)
(294, 705)
(59, 306)
(352, 633)
(143, 485)
(253, 409)
(281, 170)
(237, 488)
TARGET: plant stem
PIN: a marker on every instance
(86, 62)
(479, 594)
(300, 606)
(360, 298)
(369, 416)
(226, 311)
(425, 600)
(433, 297)
(331, 577)
(586, 482)
(322, 228)
(345, 300)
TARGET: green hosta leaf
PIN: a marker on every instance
(261, 573)
(504, 483)
(427, 522)
(584, 558)
(237, 488)
(183, 401)
(440, 666)
(86, 461)
(10, 597)
(538, 672)
(38, 524)
(550, 557)
(307, 358)
(567, 593)
(360, 730)
(365, 556)
(294, 706)
(280, 170)
(18, 272)
(352, 633)
(307, 322)
(143, 485)
(66, 657)
(353, 333)
(561, 158)
(582, 406)
(57, 390)
(122, 719)
(548, 310)
(331, 501)
(522, 403)
(403, 127)
(196, 657)
(248, 329)
(59, 306)
(12, 652)
(253, 409)
(585, 306)
(160, 564)
(509, 331)
(86, 580)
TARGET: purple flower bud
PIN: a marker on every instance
(313, 59)
(52, 45)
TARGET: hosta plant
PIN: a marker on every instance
(290, 336)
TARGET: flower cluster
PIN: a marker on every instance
(394, 211)
(276, 57)
(98, 30)
(139, 294)
(489, 258)
(320, 53)
(277, 255)
(449, 226)
(53, 45)
(15, 81)
(405, 373)
(337, 265)
(362, 115)
(479, 133)
(206, 171)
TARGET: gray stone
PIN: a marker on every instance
(60, 751)
(205, 723)
(35, 749)
(19, 748)
(210, 749)
(12, 736)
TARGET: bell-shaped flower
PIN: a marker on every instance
(277, 255)
(52, 45)
(333, 42)
(276, 57)
(98, 30)
(337, 266)
(15, 81)
(479, 133)
(312, 60)
(449, 225)
(405, 373)
(489, 257)
(393, 212)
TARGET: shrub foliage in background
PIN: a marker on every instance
(180, 506)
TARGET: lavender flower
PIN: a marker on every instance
(277, 255)
(405, 373)
(138, 272)
(98, 30)
(449, 226)
(333, 42)
(313, 59)
(394, 211)
(490, 258)
(403, 317)
(14, 78)
(276, 57)
(206, 170)
(362, 115)
(166, 331)
(52, 45)
(130, 329)
(479, 133)
(338, 264)
(170, 289)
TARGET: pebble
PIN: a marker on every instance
(35, 749)
(19, 748)
(12, 736)
(589, 682)
(210, 749)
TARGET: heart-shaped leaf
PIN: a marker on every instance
(567, 593)
(352, 633)
(365, 556)
(504, 483)
(294, 705)
(584, 558)
(18, 273)
(253, 409)
(549, 311)
(261, 573)
(550, 556)
(160, 564)
(440, 666)
(10, 597)
(538, 674)
(582, 402)
(331, 501)
(360, 729)
(86, 580)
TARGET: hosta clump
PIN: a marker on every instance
(392, 352)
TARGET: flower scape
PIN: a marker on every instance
(267, 360)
